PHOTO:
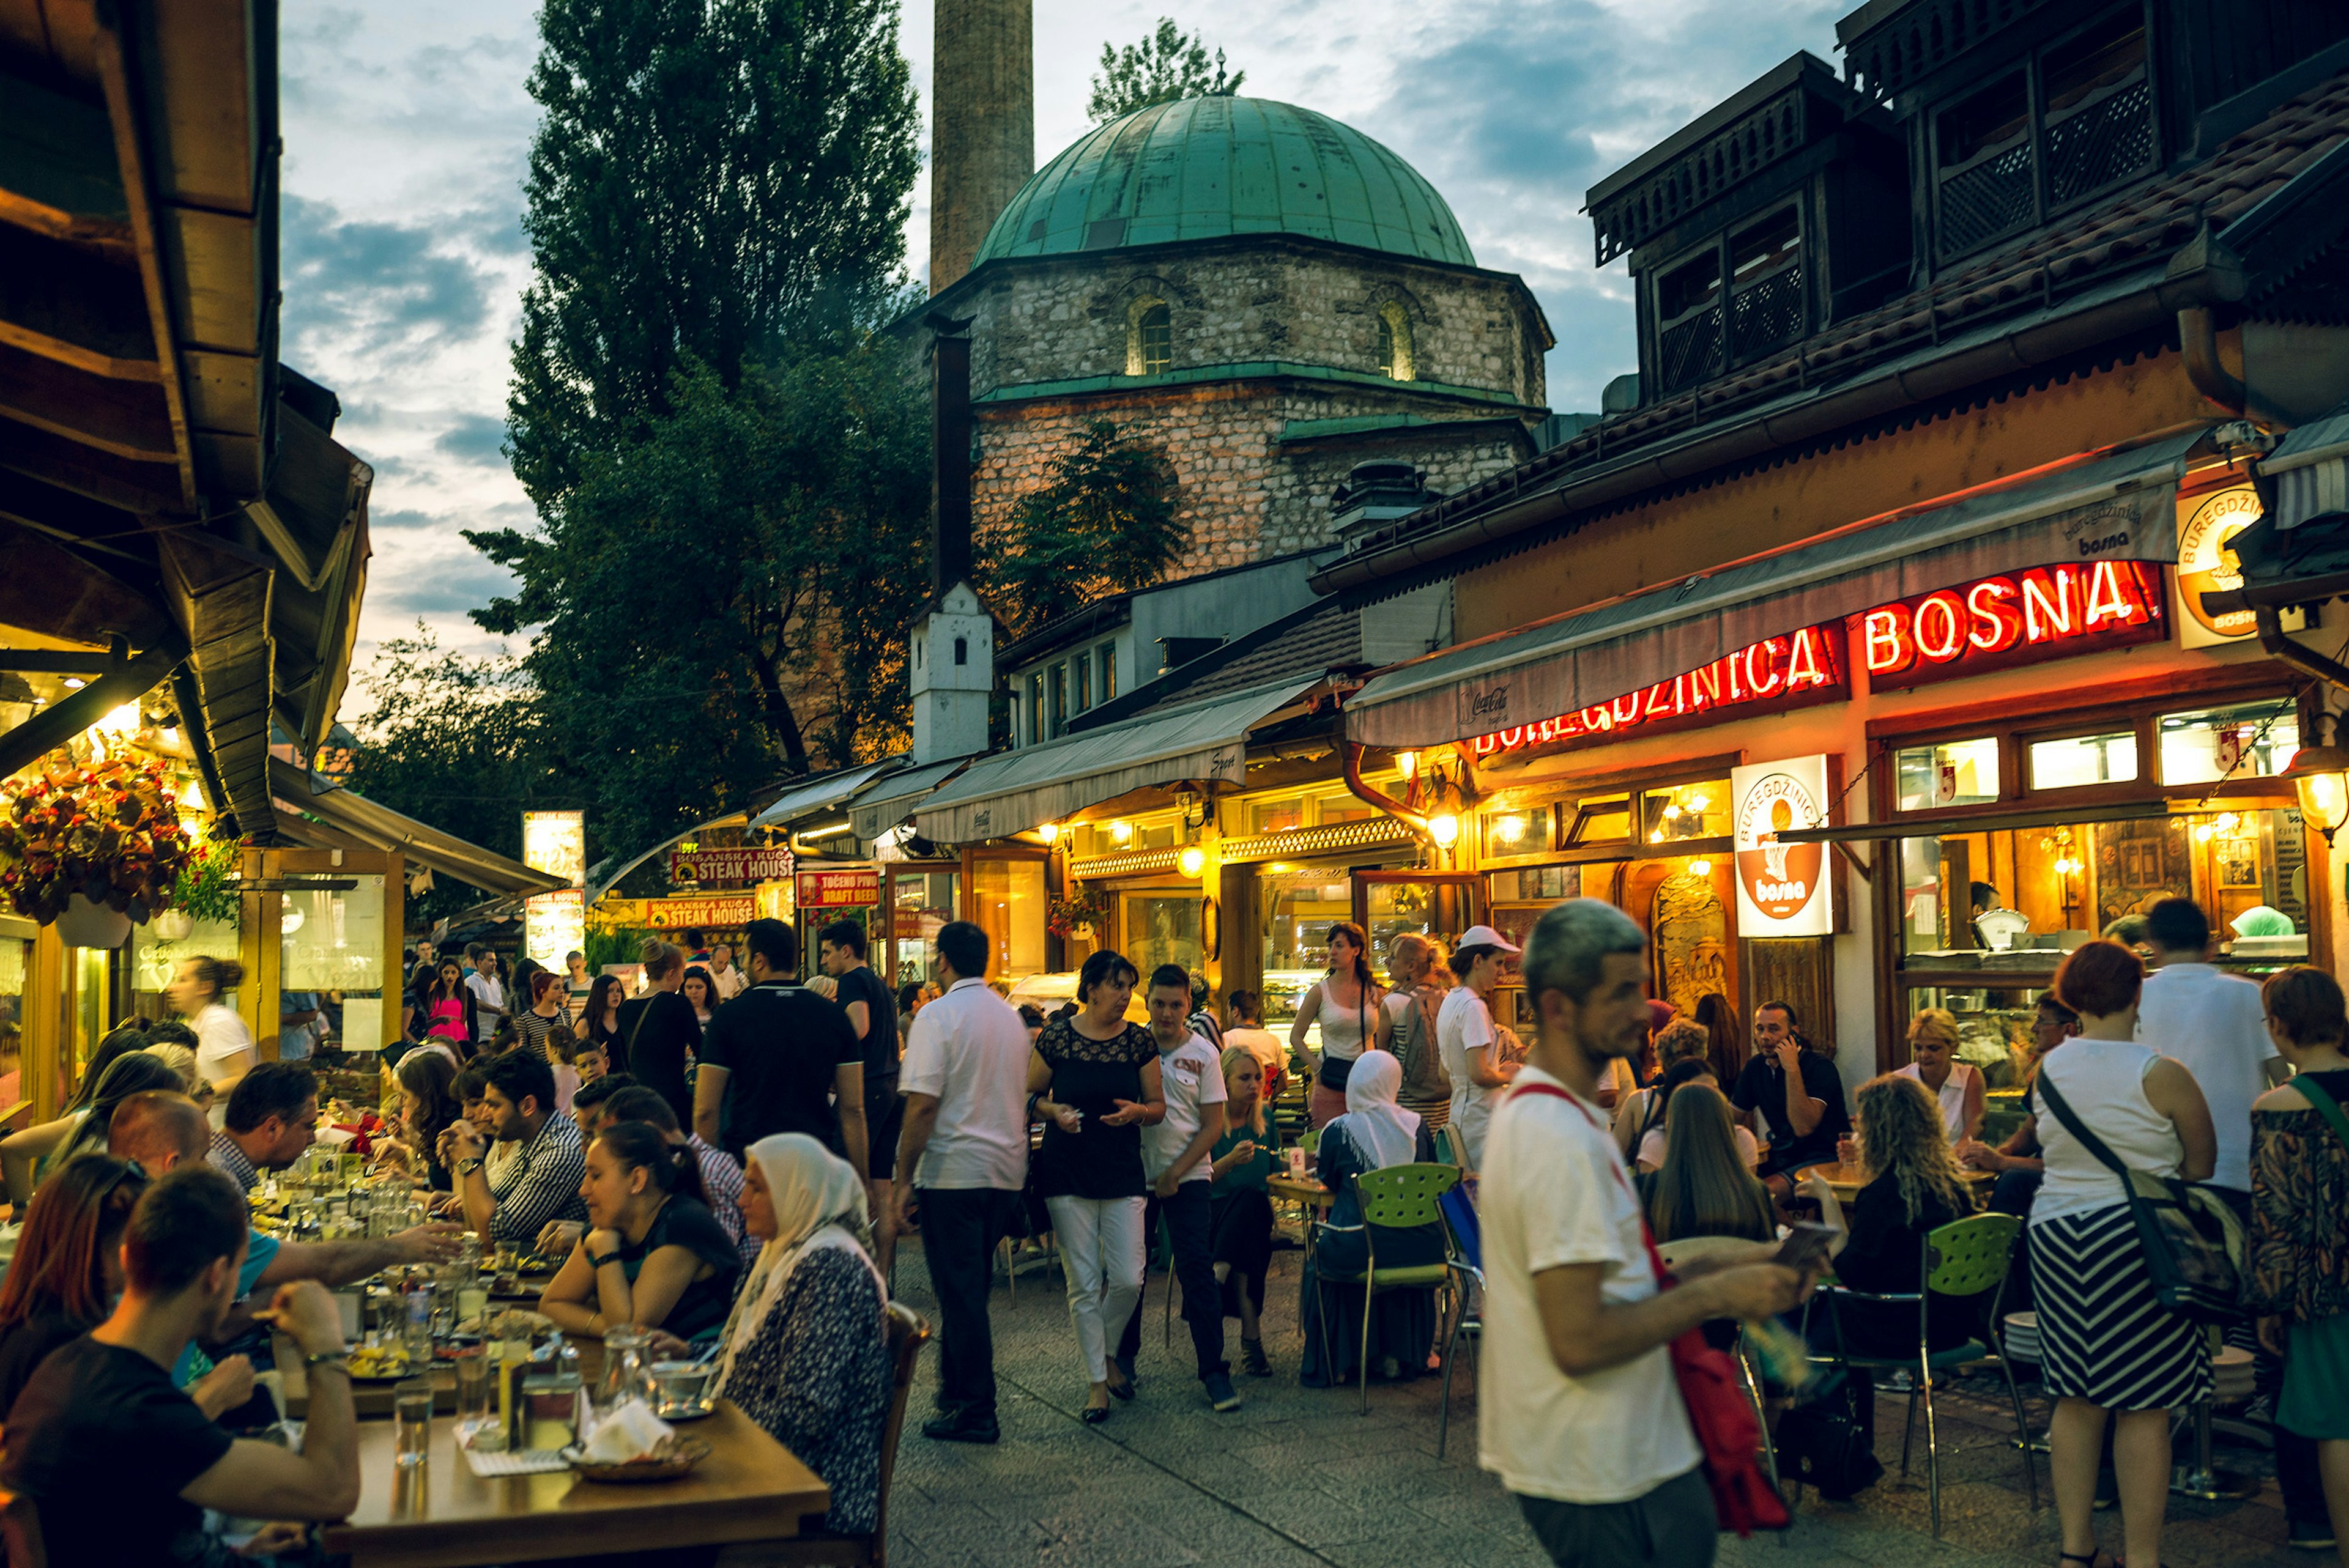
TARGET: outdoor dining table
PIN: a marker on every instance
(1845, 1183)
(371, 1397)
(439, 1515)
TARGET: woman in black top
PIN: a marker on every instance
(658, 1030)
(654, 1255)
(1093, 1083)
(68, 1264)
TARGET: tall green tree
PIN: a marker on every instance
(1165, 66)
(711, 179)
(723, 601)
(1104, 522)
(459, 741)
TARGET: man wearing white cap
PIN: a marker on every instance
(1466, 1041)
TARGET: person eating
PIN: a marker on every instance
(654, 1256)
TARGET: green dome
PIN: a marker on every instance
(1205, 168)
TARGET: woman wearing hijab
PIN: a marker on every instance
(1375, 1132)
(806, 1350)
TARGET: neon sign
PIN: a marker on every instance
(2041, 608)
(1995, 624)
(1778, 670)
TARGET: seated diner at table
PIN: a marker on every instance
(122, 1465)
(1374, 1133)
(1957, 1086)
(429, 1106)
(1655, 1136)
(721, 1173)
(541, 1180)
(806, 1352)
(1796, 1093)
(28, 1155)
(1239, 1217)
(654, 1256)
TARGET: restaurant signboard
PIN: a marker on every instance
(719, 909)
(840, 887)
(1999, 622)
(555, 923)
(1782, 889)
(1770, 677)
(740, 863)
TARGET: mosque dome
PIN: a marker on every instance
(1208, 168)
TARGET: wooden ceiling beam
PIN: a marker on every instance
(57, 175)
(133, 486)
(75, 305)
(124, 417)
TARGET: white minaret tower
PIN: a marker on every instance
(953, 642)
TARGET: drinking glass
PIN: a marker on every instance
(551, 1410)
(469, 1248)
(623, 1369)
(684, 1388)
(509, 1270)
(411, 1419)
(473, 1403)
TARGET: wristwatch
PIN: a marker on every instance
(466, 1167)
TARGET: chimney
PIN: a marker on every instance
(950, 452)
(982, 123)
(952, 650)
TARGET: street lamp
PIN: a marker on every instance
(2320, 774)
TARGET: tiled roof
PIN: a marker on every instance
(2136, 229)
(1329, 638)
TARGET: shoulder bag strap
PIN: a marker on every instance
(2326, 1106)
(2072, 1124)
(628, 1046)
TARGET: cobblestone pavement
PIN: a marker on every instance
(1296, 1477)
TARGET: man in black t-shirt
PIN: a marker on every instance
(1796, 1092)
(872, 1014)
(778, 1057)
(121, 1464)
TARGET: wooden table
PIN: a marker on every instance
(440, 1515)
(1308, 1191)
(1846, 1184)
(372, 1399)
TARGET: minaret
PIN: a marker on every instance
(951, 647)
(982, 123)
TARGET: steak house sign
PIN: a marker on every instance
(2050, 612)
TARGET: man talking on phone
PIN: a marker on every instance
(1579, 1412)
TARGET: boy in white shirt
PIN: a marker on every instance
(1174, 1157)
(1579, 1414)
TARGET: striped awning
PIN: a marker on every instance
(2310, 470)
(2115, 506)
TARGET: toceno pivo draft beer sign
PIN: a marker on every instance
(1782, 888)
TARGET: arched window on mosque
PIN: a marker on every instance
(1395, 343)
(1149, 338)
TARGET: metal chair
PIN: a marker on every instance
(907, 1332)
(1397, 1197)
(1465, 1236)
(1964, 1258)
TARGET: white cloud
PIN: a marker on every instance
(408, 128)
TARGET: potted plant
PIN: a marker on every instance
(205, 890)
(91, 847)
(1065, 917)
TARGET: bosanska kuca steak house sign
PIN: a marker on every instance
(2046, 611)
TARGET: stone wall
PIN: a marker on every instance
(1245, 493)
(1250, 299)
(983, 124)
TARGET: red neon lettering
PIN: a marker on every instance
(1939, 625)
(1705, 686)
(1769, 650)
(1626, 715)
(1997, 625)
(2047, 604)
(2111, 595)
(1885, 635)
(1655, 705)
(1807, 664)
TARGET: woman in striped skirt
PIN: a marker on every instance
(2109, 1347)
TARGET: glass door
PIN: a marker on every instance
(1441, 905)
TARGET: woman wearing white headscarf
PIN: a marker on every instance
(1373, 1133)
(806, 1350)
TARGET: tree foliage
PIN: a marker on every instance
(460, 742)
(711, 178)
(724, 600)
(1104, 524)
(1165, 66)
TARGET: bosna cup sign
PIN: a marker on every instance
(1782, 888)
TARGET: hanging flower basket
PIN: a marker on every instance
(1066, 917)
(104, 834)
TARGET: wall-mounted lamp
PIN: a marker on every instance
(2320, 774)
(1510, 828)
(1048, 832)
(1192, 860)
(1122, 831)
(1445, 829)
(1406, 764)
(1700, 868)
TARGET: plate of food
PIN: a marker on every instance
(380, 1363)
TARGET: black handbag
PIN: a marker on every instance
(2192, 1242)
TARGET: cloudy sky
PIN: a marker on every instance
(408, 128)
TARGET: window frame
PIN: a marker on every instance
(1722, 301)
(1139, 333)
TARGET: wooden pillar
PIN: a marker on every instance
(48, 1024)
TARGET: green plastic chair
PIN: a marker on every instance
(1399, 1197)
(1963, 1258)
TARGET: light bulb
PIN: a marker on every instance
(1406, 763)
(1697, 803)
(1192, 860)
(1049, 832)
(1122, 830)
(1445, 829)
(1657, 837)
(2205, 833)
(1509, 829)
(1700, 868)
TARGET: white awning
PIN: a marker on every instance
(348, 818)
(2116, 507)
(2311, 469)
(891, 801)
(821, 794)
(1204, 741)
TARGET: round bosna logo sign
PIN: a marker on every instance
(1780, 879)
(2206, 560)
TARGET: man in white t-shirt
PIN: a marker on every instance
(1579, 1411)
(965, 1150)
(2215, 1026)
(1174, 1158)
(1466, 1042)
